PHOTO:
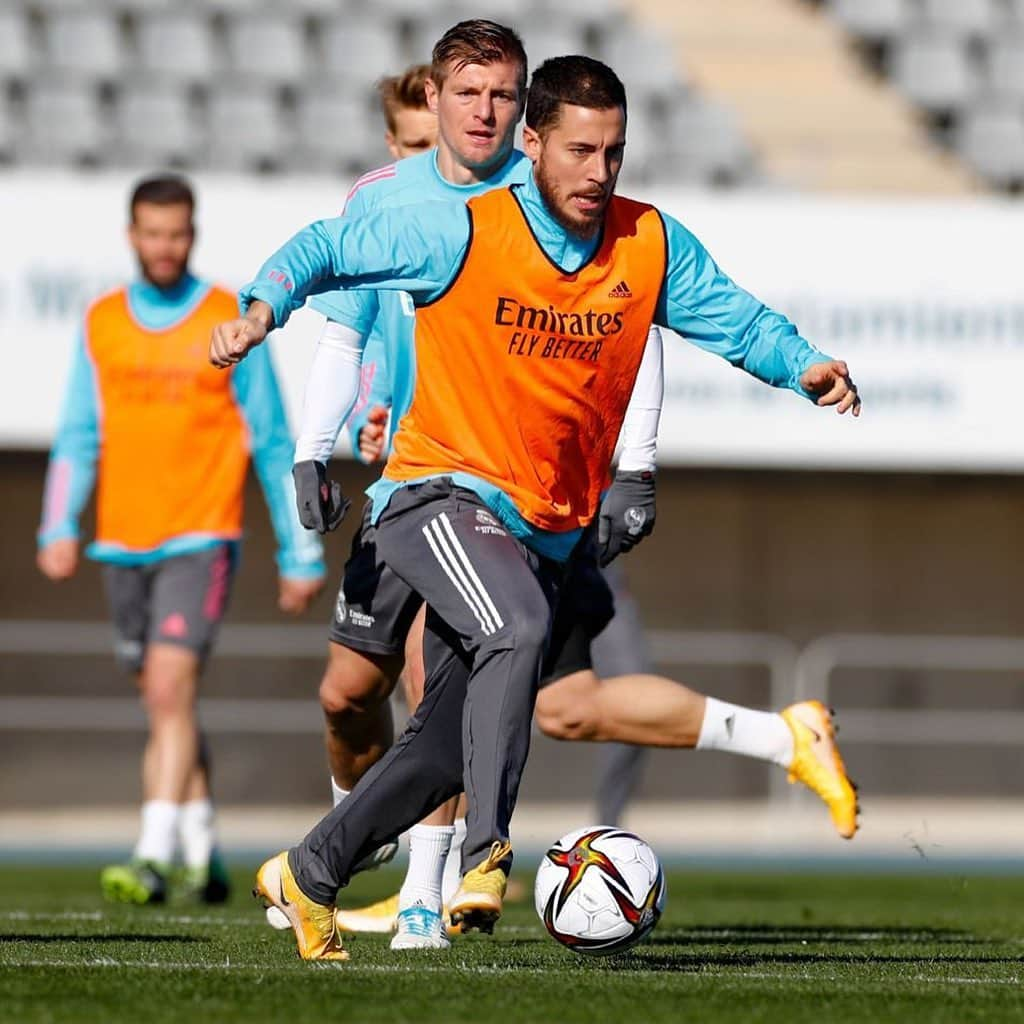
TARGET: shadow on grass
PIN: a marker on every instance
(767, 935)
(692, 963)
(30, 938)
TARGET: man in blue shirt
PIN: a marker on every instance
(378, 619)
(140, 394)
(594, 688)
(476, 88)
(575, 138)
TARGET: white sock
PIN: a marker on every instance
(428, 847)
(159, 838)
(762, 734)
(337, 793)
(197, 832)
(452, 878)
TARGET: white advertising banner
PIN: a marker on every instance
(923, 299)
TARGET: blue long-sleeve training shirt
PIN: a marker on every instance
(79, 437)
(388, 318)
(420, 248)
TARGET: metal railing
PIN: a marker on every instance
(793, 674)
(818, 661)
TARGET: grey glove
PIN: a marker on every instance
(627, 514)
(320, 502)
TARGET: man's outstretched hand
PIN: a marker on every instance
(831, 385)
(232, 339)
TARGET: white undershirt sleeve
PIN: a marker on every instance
(639, 435)
(332, 388)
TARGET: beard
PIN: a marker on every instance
(584, 228)
(163, 280)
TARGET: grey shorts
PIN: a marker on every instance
(179, 601)
(375, 609)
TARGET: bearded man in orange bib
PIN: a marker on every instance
(533, 306)
(169, 439)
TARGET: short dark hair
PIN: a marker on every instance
(163, 190)
(403, 92)
(577, 81)
(477, 41)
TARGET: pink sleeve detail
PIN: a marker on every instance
(366, 375)
(58, 491)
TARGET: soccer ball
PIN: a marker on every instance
(599, 890)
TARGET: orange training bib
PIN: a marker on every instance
(524, 371)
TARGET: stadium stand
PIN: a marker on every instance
(961, 62)
(141, 82)
(817, 118)
(248, 85)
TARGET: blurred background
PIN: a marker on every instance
(855, 163)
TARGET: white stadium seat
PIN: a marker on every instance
(266, 47)
(991, 139)
(338, 133)
(961, 17)
(1005, 76)
(935, 71)
(85, 44)
(390, 11)
(245, 129)
(706, 143)
(873, 19)
(645, 61)
(16, 55)
(360, 51)
(156, 126)
(65, 123)
(559, 38)
(176, 45)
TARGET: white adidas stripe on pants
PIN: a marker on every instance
(452, 557)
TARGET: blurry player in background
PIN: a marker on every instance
(170, 440)
(411, 124)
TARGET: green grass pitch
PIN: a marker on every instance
(731, 947)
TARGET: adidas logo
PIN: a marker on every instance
(620, 291)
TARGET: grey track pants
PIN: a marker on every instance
(490, 607)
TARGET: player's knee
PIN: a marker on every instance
(166, 695)
(353, 686)
(566, 711)
(526, 628)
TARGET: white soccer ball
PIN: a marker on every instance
(599, 890)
